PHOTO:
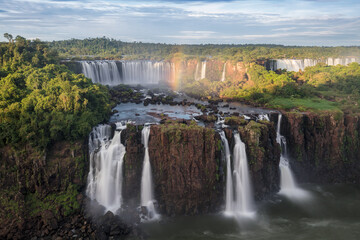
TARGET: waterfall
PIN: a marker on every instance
(239, 202)
(127, 72)
(104, 72)
(146, 72)
(202, 74)
(263, 117)
(147, 196)
(288, 185)
(197, 72)
(223, 73)
(290, 64)
(229, 184)
(203, 70)
(301, 64)
(106, 167)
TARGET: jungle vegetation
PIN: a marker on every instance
(42, 101)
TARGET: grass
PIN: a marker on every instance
(303, 104)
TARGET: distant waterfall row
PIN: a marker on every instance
(301, 64)
(128, 72)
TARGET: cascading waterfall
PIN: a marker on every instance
(146, 72)
(197, 72)
(104, 72)
(147, 195)
(106, 167)
(288, 185)
(203, 70)
(290, 64)
(223, 73)
(108, 72)
(301, 64)
(229, 184)
(263, 117)
(239, 202)
(202, 74)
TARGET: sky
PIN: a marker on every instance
(287, 22)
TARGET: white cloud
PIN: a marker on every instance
(199, 22)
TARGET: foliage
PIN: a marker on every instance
(41, 102)
(65, 201)
(116, 49)
(318, 88)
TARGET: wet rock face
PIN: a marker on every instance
(40, 188)
(185, 169)
(323, 147)
(187, 165)
(133, 161)
(263, 153)
(41, 196)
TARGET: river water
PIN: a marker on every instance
(332, 212)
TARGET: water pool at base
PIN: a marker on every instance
(332, 212)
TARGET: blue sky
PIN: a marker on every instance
(289, 22)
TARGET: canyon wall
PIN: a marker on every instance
(188, 166)
(41, 192)
(185, 161)
(39, 189)
(263, 153)
(323, 147)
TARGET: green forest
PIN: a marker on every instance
(41, 101)
(100, 48)
(318, 88)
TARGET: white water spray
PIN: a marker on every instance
(106, 168)
(108, 72)
(223, 73)
(203, 70)
(239, 197)
(147, 196)
(288, 185)
(301, 64)
(229, 184)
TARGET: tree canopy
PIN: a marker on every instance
(40, 101)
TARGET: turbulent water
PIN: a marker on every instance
(147, 195)
(332, 214)
(106, 167)
(108, 72)
(288, 186)
(301, 64)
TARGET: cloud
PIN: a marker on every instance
(298, 22)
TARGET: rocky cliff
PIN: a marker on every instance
(187, 165)
(263, 153)
(41, 195)
(40, 189)
(185, 161)
(41, 192)
(323, 147)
